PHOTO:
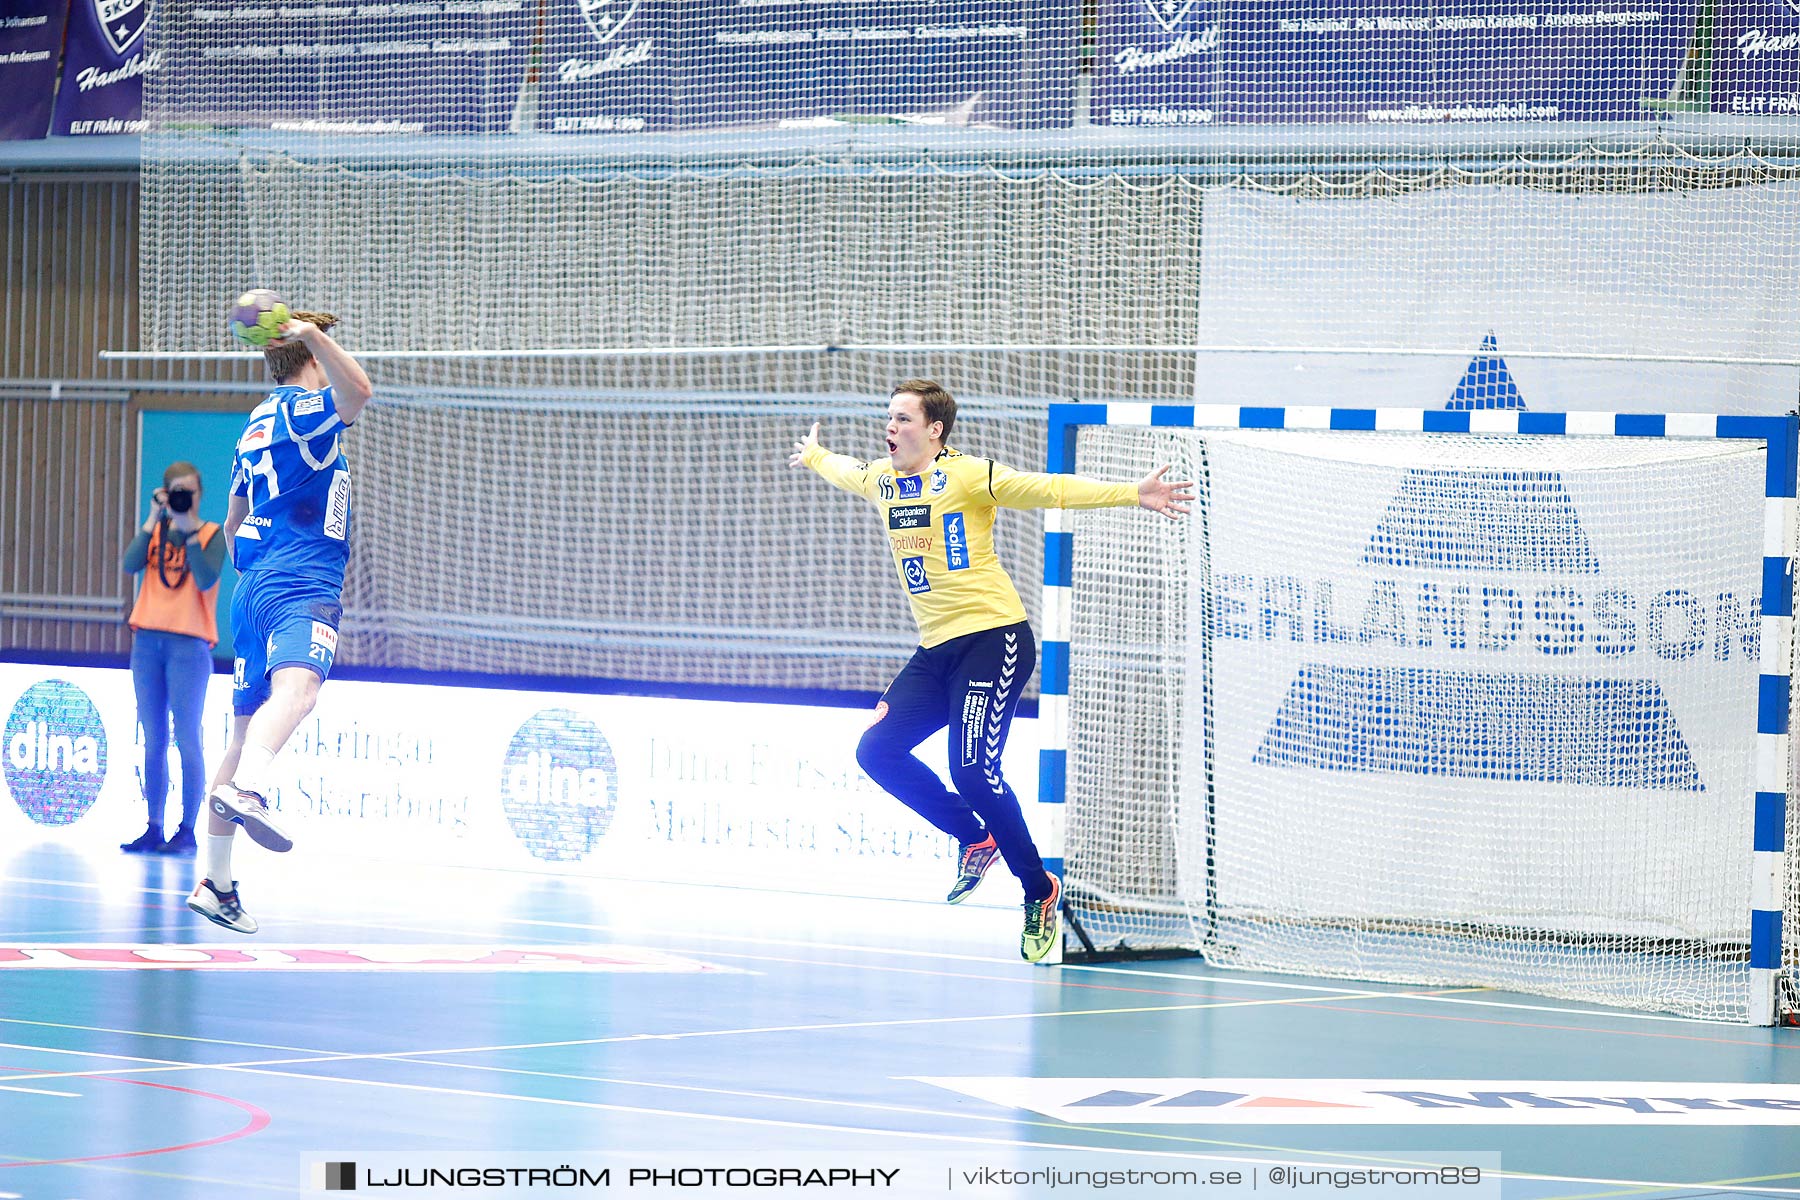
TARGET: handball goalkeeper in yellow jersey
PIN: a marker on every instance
(976, 651)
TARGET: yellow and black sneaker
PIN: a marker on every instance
(971, 865)
(1041, 922)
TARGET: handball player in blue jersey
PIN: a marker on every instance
(976, 650)
(288, 530)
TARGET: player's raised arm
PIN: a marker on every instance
(350, 387)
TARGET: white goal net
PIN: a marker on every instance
(1426, 708)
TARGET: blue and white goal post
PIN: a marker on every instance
(1488, 697)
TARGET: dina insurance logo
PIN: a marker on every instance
(54, 753)
(559, 785)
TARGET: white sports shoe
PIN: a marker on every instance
(221, 908)
(252, 812)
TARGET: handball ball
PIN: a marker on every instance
(257, 318)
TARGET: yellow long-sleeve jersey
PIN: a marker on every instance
(940, 526)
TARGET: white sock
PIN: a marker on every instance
(252, 774)
(218, 859)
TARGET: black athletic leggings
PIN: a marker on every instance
(972, 684)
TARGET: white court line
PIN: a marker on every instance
(166, 1065)
(38, 1091)
(312, 1050)
(1122, 972)
(145, 1033)
(1402, 995)
(34, 1076)
(231, 1186)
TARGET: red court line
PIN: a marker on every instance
(259, 1120)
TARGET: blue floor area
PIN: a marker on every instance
(559, 1018)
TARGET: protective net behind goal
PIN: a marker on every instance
(1499, 203)
(1425, 708)
(637, 537)
(1037, 198)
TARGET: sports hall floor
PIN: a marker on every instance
(734, 1022)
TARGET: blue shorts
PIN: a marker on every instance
(280, 620)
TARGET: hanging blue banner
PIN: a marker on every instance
(322, 66)
(31, 34)
(622, 65)
(611, 66)
(1402, 62)
(602, 66)
(103, 70)
(1157, 63)
(1756, 58)
(980, 63)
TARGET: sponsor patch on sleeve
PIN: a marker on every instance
(310, 405)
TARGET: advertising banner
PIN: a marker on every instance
(1187, 62)
(753, 795)
(1158, 63)
(31, 35)
(602, 66)
(606, 66)
(1528, 687)
(104, 67)
(625, 65)
(406, 67)
(984, 63)
(1756, 58)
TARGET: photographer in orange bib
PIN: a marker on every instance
(174, 627)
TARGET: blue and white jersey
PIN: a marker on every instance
(290, 465)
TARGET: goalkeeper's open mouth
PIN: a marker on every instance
(893, 446)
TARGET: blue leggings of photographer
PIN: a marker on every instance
(169, 672)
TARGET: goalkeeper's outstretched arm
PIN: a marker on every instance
(838, 469)
(1029, 489)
